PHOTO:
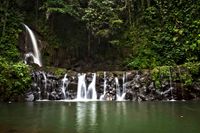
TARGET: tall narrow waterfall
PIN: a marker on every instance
(84, 93)
(36, 53)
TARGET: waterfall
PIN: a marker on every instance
(124, 80)
(38, 79)
(36, 53)
(120, 96)
(132, 85)
(64, 85)
(81, 92)
(124, 86)
(182, 90)
(118, 91)
(91, 93)
(102, 97)
(45, 85)
(171, 87)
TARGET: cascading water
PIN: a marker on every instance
(181, 84)
(102, 97)
(36, 53)
(132, 86)
(124, 86)
(118, 91)
(120, 96)
(171, 88)
(81, 92)
(45, 85)
(64, 86)
(91, 93)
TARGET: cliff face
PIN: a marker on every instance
(64, 42)
(113, 85)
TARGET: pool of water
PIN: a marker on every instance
(100, 117)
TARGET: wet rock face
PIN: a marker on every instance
(133, 86)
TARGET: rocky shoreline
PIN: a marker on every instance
(139, 86)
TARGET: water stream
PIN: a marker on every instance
(171, 87)
(81, 90)
(64, 86)
(120, 94)
(91, 91)
(84, 93)
(45, 85)
(36, 53)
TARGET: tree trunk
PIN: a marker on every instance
(129, 12)
(5, 17)
(36, 13)
(89, 42)
(148, 3)
(142, 5)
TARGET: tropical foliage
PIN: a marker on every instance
(14, 75)
(150, 34)
(14, 79)
(159, 32)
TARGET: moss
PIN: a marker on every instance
(186, 78)
(57, 71)
(190, 73)
(160, 74)
(186, 74)
(194, 68)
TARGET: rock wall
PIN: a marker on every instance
(139, 86)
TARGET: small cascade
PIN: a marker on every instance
(124, 85)
(102, 97)
(91, 93)
(120, 96)
(45, 85)
(118, 91)
(64, 86)
(182, 90)
(36, 53)
(37, 79)
(84, 93)
(131, 86)
(29, 55)
(82, 89)
(171, 87)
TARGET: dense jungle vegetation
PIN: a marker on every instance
(98, 34)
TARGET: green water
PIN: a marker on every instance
(100, 117)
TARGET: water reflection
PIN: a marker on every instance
(63, 117)
(86, 116)
(101, 117)
(93, 114)
(81, 118)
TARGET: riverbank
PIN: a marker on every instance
(161, 83)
